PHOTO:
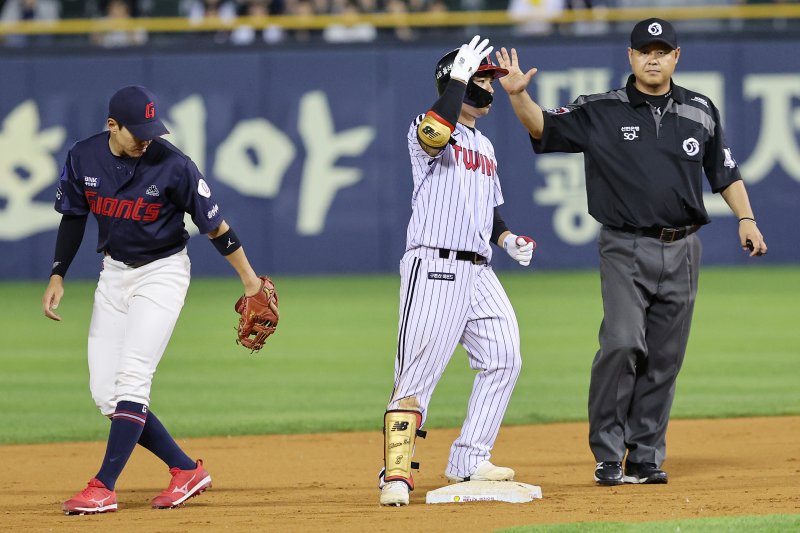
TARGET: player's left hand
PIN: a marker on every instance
(750, 238)
(520, 248)
(258, 316)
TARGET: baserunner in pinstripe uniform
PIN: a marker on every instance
(449, 294)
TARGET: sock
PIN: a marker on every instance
(157, 439)
(127, 423)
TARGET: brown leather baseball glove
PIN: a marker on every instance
(259, 316)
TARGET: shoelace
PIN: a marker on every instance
(89, 489)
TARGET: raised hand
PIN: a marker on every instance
(469, 58)
(515, 81)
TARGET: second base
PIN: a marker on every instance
(485, 491)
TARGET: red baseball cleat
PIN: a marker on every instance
(95, 498)
(184, 485)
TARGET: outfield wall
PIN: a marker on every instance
(306, 149)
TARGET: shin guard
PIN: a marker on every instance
(400, 430)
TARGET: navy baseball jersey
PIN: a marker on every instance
(139, 203)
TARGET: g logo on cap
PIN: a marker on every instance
(150, 110)
(654, 29)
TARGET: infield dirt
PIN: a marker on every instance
(327, 482)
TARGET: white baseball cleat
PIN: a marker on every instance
(394, 493)
(486, 471)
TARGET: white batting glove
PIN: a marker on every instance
(520, 248)
(469, 59)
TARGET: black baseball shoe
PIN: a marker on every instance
(643, 473)
(608, 473)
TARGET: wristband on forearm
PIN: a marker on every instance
(227, 243)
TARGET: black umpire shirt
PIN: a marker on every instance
(644, 165)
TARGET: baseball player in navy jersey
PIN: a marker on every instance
(138, 187)
(449, 294)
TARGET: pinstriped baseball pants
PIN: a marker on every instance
(443, 303)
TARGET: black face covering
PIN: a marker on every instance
(477, 96)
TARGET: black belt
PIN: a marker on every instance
(135, 264)
(472, 257)
(662, 234)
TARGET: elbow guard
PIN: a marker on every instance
(434, 131)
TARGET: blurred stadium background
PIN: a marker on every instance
(297, 111)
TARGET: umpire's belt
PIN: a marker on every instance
(661, 233)
(472, 257)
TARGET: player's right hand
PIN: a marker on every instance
(52, 297)
(515, 81)
(469, 59)
(520, 248)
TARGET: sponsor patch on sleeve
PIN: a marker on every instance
(202, 189)
(442, 276)
(558, 110)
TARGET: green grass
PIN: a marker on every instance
(330, 366)
(763, 524)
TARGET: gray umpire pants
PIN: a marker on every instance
(648, 289)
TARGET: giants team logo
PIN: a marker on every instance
(474, 160)
(654, 29)
(150, 110)
(138, 210)
(691, 146)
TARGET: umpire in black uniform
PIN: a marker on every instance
(646, 147)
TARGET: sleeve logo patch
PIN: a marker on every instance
(443, 276)
(730, 162)
(558, 110)
(202, 189)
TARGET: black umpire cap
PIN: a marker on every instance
(653, 30)
(135, 108)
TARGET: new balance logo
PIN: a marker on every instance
(400, 426)
(430, 133)
(152, 191)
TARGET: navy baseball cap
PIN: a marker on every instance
(653, 30)
(135, 108)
